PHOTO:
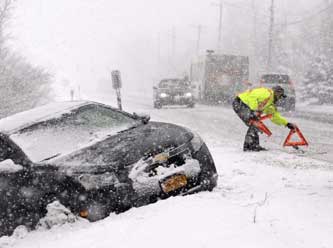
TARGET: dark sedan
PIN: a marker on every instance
(173, 92)
(94, 160)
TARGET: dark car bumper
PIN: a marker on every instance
(175, 100)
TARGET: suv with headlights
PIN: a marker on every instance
(271, 80)
(174, 92)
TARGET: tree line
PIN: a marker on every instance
(22, 85)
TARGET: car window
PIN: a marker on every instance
(173, 83)
(275, 79)
(70, 132)
(6, 150)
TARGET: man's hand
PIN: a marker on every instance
(291, 126)
(258, 113)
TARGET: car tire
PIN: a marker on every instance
(208, 175)
(157, 105)
(191, 105)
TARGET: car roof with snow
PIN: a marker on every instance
(27, 118)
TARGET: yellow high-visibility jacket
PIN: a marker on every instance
(262, 99)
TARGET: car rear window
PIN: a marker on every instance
(70, 132)
(275, 79)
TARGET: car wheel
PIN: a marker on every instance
(208, 175)
(191, 105)
(157, 105)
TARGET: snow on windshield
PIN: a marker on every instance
(56, 137)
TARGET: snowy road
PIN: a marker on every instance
(220, 124)
(268, 199)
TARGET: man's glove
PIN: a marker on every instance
(258, 113)
(291, 126)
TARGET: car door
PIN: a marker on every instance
(17, 190)
(12, 178)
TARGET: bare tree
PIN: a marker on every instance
(22, 85)
(5, 10)
(318, 80)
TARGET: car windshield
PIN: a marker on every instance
(86, 125)
(173, 83)
(275, 79)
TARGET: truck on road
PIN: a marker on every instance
(219, 77)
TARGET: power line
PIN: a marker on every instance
(308, 17)
(248, 8)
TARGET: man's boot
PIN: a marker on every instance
(251, 142)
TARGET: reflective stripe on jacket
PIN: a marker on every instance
(262, 99)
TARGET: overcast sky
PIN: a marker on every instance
(80, 41)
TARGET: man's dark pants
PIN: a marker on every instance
(245, 114)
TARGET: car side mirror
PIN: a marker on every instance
(154, 87)
(9, 165)
(142, 116)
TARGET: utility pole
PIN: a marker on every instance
(79, 92)
(270, 37)
(158, 61)
(172, 54)
(116, 85)
(173, 43)
(199, 30)
(254, 39)
(198, 40)
(220, 27)
(327, 33)
(219, 36)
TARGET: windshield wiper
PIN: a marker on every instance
(53, 156)
(130, 128)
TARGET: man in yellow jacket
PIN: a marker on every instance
(252, 102)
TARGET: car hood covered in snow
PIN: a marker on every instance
(125, 148)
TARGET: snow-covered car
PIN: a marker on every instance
(271, 80)
(94, 160)
(173, 92)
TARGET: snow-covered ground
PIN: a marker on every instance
(270, 199)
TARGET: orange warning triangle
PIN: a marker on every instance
(301, 142)
(266, 117)
(261, 126)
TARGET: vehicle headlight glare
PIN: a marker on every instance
(163, 95)
(189, 94)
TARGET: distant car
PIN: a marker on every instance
(174, 92)
(94, 160)
(270, 80)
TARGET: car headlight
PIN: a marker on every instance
(196, 142)
(189, 94)
(163, 95)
